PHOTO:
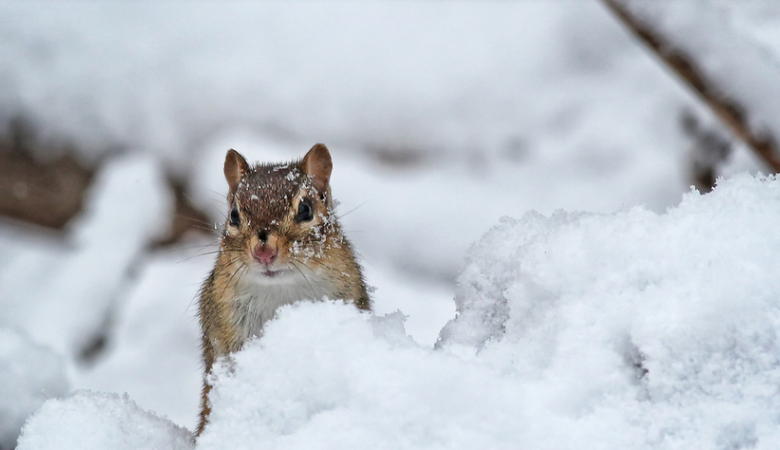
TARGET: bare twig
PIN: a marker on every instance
(728, 109)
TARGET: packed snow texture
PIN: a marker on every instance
(92, 421)
(662, 329)
(575, 330)
(30, 374)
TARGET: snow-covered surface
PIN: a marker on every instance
(663, 328)
(62, 295)
(31, 374)
(94, 421)
(154, 348)
(488, 109)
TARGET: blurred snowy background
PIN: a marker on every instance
(442, 117)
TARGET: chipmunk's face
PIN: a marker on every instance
(279, 223)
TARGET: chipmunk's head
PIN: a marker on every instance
(280, 221)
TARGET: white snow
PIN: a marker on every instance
(31, 373)
(154, 353)
(453, 83)
(576, 330)
(327, 376)
(92, 421)
(62, 297)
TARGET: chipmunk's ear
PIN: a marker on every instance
(317, 164)
(235, 168)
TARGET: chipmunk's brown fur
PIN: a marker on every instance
(282, 244)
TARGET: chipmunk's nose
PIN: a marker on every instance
(265, 254)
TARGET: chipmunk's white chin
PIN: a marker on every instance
(273, 275)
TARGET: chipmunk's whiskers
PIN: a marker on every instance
(293, 263)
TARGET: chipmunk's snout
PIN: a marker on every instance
(265, 254)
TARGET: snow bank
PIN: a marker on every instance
(153, 353)
(30, 374)
(661, 327)
(91, 421)
(327, 376)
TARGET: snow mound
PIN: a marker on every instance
(93, 421)
(663, 325)
(325, 375)
(30, 374)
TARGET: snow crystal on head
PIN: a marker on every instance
(267, 191)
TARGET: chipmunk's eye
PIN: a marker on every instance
(235, 218)
(305, 212)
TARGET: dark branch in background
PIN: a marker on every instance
(711, 147)
(44, 191)
(187, 216)
(727, 109)
(50, 191)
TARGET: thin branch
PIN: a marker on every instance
(729, 110)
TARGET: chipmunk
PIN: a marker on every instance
(281, 244)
